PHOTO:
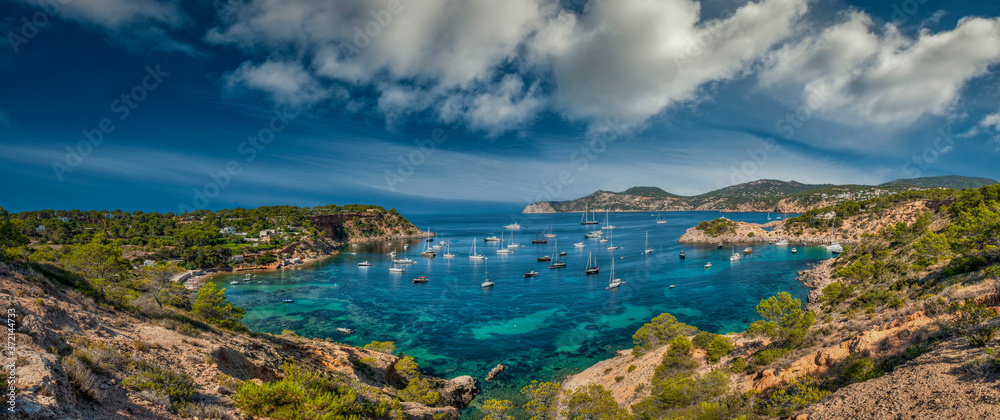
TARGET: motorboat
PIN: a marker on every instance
(531, 273)
(364, 264)
(421, 279)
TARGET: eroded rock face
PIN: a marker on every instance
(235, 364)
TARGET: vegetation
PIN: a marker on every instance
(167, 384)
(784, 320)
(381, 346)
(659, 331)
(304, 394)
(213, 307)
(717, 227)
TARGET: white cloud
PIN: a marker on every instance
(287, 83)
(494, 65)
(135, 23)
(864, 76)
(633, 59)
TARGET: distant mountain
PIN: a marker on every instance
(951, 181)
(761, 195)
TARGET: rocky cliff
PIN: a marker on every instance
(73, 359)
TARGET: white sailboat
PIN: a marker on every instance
(486, 273)
(607, 226)
(611, 243)
(658, 220)
(648, 249)
(501, 249)
(473, 255)
(548, 232)
(615, 283)
(448, 254)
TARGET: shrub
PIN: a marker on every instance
(768, 356)
(203, 411)
(982, 335)
(835, 293)
(83, 378)
(420, 391)
(738, 365)
(497, 410)
(702, 339)
(406, 366)
(542, 398)
(910, 353)
(676, 361)
(592, 402)
(853, 370)
(796, 396)
(659, 331)
(381, 346)
(140, 345)
(304, 394)
(717, 227)
(719, 347)
(631, 368)
(876, 298)
(175, 386)
(962, 265)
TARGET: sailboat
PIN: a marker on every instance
(548, 232)
(768, 215)
(556, 264)
(606, 225)
(658, 220)
(428, 251)
(611, 244)
(585, 220)
(735, 257)
(486, 280)
(648, 249)
(513, 244)
(592, 266)
(614, 282)
(449, 255)
(539, 241)
(501, 249)
(473, 255)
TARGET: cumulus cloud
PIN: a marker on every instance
(633, 59)
(135, 23)
(287, 83)
(494, 65)
(865, 74)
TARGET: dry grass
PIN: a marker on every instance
(81, 375)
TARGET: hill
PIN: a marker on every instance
(761, 195)
(902, 324)
(951, 181)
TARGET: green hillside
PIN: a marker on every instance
(951, 181)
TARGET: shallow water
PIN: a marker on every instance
(541, 328)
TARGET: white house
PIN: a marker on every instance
(64, 219)
(228, 230)
(826, 216)
(40, 228)
(148, 262)
(237, 258)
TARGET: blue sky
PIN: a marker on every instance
(474, 105)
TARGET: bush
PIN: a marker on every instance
(981, 336)
(407, 366)
(796, 396)
(738, 365)
(303, 395)
(381, 346)
(659, 331)
(719, 347)
(768, 356)
(836, 293)
(877, 298)
(497, 410)
(850, 371)
(178, 387)
(676, 361)
(83, 378)
(910, 353)
(717, 227)
(592, 402)
(542, 398)
(420, 391)
(964, 265)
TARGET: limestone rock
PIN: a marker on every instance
(494, 372)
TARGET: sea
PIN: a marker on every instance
(541, 328)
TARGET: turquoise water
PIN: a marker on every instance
(542, 328)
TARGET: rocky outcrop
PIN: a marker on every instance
(494, 372)
(539, 207)
(55, 323)
(460, 391)
(416, 411)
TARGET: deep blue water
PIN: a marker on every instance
(542, 328)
